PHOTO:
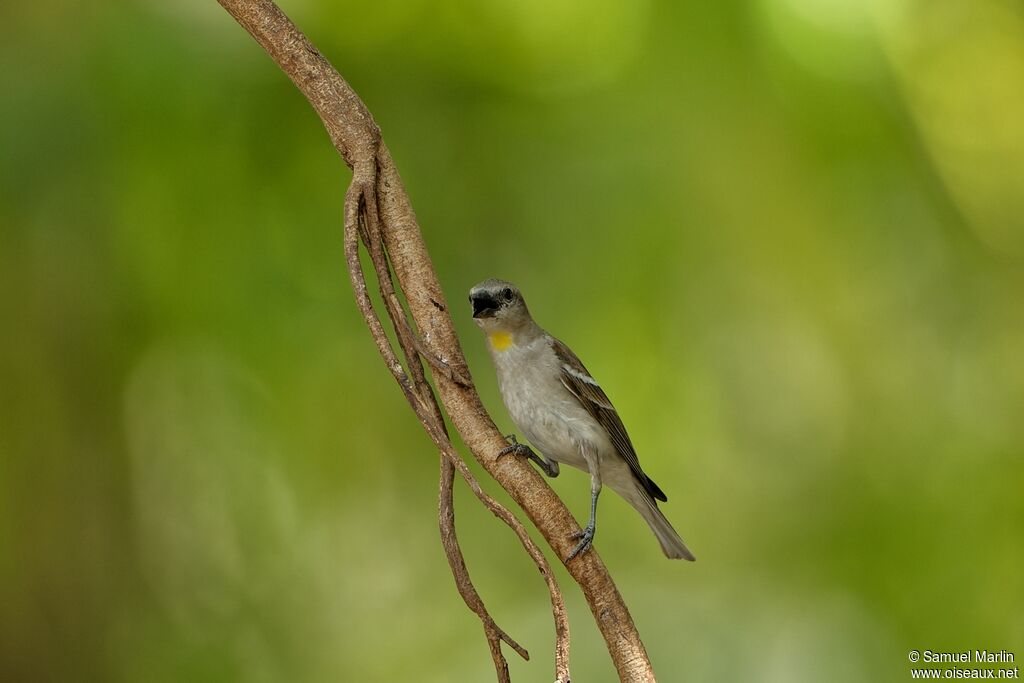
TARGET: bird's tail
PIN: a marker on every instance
(671, 544)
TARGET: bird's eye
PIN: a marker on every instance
(507, 294)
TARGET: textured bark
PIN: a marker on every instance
(378, 200)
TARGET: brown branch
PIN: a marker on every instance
(426, 407)
(361, 220)
(446, 521)
(376, 182)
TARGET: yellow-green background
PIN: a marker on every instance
(786, 235)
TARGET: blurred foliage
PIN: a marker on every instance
(787, 236)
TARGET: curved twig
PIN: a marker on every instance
(450, 542)
(446, 504)
(376, 182)
(358, 215)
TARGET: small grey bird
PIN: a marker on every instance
(561, 409)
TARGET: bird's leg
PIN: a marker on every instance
(522, 450)
(586, 534)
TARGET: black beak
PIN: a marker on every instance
(483, 305)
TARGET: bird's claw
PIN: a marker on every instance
(516, 448)
(586, 536)
(522, 450)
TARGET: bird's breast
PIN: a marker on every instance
(543, 409)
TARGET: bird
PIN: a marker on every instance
(560, 408)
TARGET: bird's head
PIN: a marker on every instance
(498, 306)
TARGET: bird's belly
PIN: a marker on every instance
(558, 428)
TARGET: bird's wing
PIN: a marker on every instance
(580, 384)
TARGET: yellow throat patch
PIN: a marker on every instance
(500, 340)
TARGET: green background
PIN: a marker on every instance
(786, 235)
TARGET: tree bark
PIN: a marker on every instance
(356, 136)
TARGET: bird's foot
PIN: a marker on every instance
(586, 536)
(515, 447)
(524, 451)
